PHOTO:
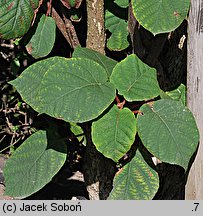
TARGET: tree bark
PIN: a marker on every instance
(95, 25)
(194, 187)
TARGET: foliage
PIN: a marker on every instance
(38, 45)
(39, 158)
(160, 16)
(117, 26)
(178, 94)
(168, 123)
(121, 130)
(16, 17)
(140, 82)
(91, 87)
(135, 181)
(82, 95)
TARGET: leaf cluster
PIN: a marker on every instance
(120, 100)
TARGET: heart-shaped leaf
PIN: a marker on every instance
(34, 164)
(168, 130)
(16, 17)
(107, 63)
(73, 89)
(114, 133)
(136, 181)
(160, 16)
(43, 39)
(135, 80)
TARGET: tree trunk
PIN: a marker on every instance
(194, 187)
(95, 25)
(98, 170)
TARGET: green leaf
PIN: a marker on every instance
(122, 3)
(168, 130)
(107, 63)
(137, 181)
(73, 89)
(43, 39)
(135, 80)
(77, 130)
(16, 17)
(160, 16)
(118, 28)
(114, 133)
(178, 94)
(34, 164)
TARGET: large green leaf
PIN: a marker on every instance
(118, 28)
(43, 39)
(107, 63)
(114, 133)
(34, 164)
(137, 181)
(135, 80)
(16, 17)
(160, 16)
(168, 129)
(73, 89)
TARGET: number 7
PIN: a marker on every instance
(197, 204)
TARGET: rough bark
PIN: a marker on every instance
(95, 25)
(194, 187)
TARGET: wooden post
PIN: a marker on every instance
(194, 187)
